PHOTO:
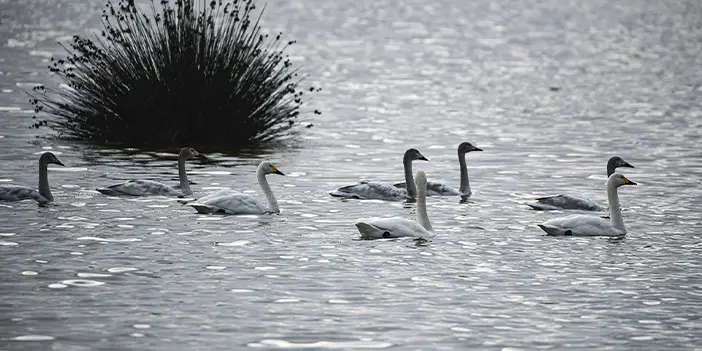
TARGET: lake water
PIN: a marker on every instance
(550, 90)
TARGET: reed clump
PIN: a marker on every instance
(183, 71)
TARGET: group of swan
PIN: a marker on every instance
(413, 189)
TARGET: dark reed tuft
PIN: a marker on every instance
(197, 72)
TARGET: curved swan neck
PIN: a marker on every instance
(611, 167)
(263, 182)
(409, 180)
(44, 181)
(465, 184)
(184, 183)
(615, 210)
(422, 216)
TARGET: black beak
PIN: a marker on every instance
(202, 157)
(421, 157)
(625, 164)
(279, 172)
(631, 183)
(477, 149)
(59, 163)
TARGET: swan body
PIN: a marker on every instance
(231, 202)
(140, 187)
(584, 225)
(11, 193)
(571, 202)
(396, 227)
(367, 189)
(443, 189)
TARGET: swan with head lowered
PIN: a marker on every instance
(140, 187)
(571, 202)
(397, 227)
(584, 225)
(230, 202)
(443, 189)
(367, 189)
(43, 196)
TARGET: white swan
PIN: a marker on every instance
(584, 225)
(396, 227)
(43, 196)
(442, 189)
(230, 202)
(570, 202)
(140, 187)
(366, 189)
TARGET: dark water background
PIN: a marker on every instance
(549, 89)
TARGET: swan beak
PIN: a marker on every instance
(277, 171)
(477, 149)
(421, 157)
(202, 157)
(628, 182)
(59, 163)
(626, 164)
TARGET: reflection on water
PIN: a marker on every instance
(549, 89)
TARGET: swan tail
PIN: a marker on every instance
(202, 208)
(341, 193)
(555, 230)
(542, 206)
(108, 191)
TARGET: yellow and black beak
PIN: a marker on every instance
(628, 182)
(276, 171)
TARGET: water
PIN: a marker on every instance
(549, 89)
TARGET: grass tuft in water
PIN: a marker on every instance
(196, 72)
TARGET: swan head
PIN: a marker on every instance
(466, 147)
(49, 158)
(188, 152)
(617, 161)
(414, 154)
(268, 168)
(618, 180)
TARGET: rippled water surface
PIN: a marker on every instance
(549, 89)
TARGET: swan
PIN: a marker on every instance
(230, 202)
(396, 227)
(366, 189)
(584, 225)
(140, 187)
(442, 189)
(570, 202)
(43, 196)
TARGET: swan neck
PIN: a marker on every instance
(422, 216)
(409, 180)
(184, 183)
(615, 210)
(610, 169)
(44, 181)
(263, 182)
(465, 184)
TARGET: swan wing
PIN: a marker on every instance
(566, 202)
(394, 227)
(232, 203)
(19, 193)
(139, 187)
(371, 190)
(580, 225)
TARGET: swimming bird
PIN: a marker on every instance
(43, 196)
(230, 202)
(443, 189)
(585, 225)
(571, 202)
(396, 227)
(141, 187)
(366, 189)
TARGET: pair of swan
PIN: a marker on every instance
(585, 225)
(223, 201)
(397, 227)
(570, 202)
(407, 190)
(43, 196)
